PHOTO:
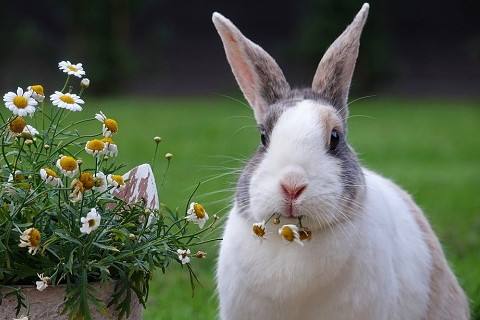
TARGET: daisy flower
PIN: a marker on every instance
(20, 103)
(110, 126)
(100, 182)
(201, 255)
(259, 229)
(29, 132)
(67, 101)
(83, 183)
(71, 69)
(17, 177)
(183, 255)
(43, 283)
(68, 166)
(90, 222)
(16, 126)
(77, 191)
(197, 214)
(37, 92)
(87, 179)
(116, 181)
(95, 147)
(50, 177)
(111, 148)
(289, 232)
(30, 238)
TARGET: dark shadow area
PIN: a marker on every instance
(420, 48)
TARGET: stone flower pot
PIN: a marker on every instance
(48, 304)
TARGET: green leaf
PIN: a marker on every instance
(65, 236)
(102, 246)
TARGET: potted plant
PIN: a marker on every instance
(79, 240)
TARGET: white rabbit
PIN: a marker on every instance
(372, 253)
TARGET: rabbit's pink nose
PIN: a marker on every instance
(292, 191)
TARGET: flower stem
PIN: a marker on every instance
(155, 157)
(66, 83)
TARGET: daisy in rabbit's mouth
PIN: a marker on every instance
(289, 233)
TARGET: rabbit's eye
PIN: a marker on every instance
(334, 139)
(263, 137)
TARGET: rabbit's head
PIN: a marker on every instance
(304, 165)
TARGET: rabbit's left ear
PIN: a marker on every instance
(335, 70)
(258, 75)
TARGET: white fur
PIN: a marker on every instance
(299, 150)
(374, 266)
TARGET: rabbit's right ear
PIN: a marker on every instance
(335, 70)
(258, 75)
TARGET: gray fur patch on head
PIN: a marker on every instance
(352, 177)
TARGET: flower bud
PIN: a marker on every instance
(168, 156)
(46, 146)
(157, 139)
(200, 255)
(131, 236)
(28, 142)
(85, 83)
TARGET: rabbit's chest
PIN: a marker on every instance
(271, 279)
(277, 270)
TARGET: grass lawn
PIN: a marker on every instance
(431, 148)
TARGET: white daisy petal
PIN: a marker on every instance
(196, 213)
(91, 222)
(67, 101)
(20, 103)
(290, 233)
(71, 69)
(183, 255)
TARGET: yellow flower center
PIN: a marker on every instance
(91, 223)
(67, 99)
(68, 163)
(95, 145)
(111, 125)
(287, 233)
(20, 102)
(108, 140)
(72, 68)
(199, 210)
(17, 125)
(38, 89)
(258, 230)
(118, 179)
(18, 177)
(87, 180)
(51, 173)
(34, 237)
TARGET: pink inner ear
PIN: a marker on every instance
(242, 69)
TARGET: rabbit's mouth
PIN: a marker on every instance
(291, 210)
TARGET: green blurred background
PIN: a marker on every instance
(159, 68)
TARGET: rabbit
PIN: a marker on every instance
(371, 253)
